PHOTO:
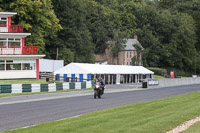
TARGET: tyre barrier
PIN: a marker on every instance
(22, 88)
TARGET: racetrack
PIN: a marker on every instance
(22, 114)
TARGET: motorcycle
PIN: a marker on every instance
(98, 90)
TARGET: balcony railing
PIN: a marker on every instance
(17, 50)
(16, 28)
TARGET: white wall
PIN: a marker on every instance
(168, 82)
(50, 65)
(17, 74)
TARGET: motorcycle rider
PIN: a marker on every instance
(102, 84)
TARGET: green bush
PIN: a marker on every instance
(179, 72)
(158, 71)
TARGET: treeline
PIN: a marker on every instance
(168, 30)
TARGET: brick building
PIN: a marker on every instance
(124, 57)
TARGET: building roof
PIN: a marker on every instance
(7, 14)
(129, 44)
(19, 57)
(13, 35)
(85, 68)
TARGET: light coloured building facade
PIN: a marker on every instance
(16, 59)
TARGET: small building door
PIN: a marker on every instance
(89, 77)
(81, 77)
(73, 78)
(65, 77)
(58, 77)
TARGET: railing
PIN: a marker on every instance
(17, 50)
(3, 29)
(12, 28)
(3, 25)
(16, 28)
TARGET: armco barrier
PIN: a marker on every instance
(52, 87)
(35, 87)
(72, 85)
(65, 86)
(21, 88)
(26, 88)
(6, 88)
(59, 86)
(15, 88)
(44, 87)
(78, 85)
(83, 85)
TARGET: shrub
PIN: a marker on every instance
(179, 72)
(158, 71)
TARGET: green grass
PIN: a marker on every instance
(158, 76)
(31, 93)
(193, 129)
(156, 116)
(23, 81)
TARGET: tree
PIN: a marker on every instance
(137, 59)
(37, 17)
(75, 35)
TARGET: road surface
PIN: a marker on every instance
(22, 111)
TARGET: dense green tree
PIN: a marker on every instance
(75, 34)
(137, 59)
(168, 42)
(169, 30)
(99, 25)
(191, 7)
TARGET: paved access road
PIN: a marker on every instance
(22, 111)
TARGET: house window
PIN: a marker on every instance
(3, 22)
(3, 41)
(134, 53)
(2, 64)
(27, 66)
(130, 54)
(17, 65)
(130, 63)
(14, 42)
(12, 66)
(10, 42)
(127, 63)
(127, 54)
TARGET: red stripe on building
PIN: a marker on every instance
(9, 23)
(37, 68)
(23, 42)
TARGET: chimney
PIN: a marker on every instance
(135, 37)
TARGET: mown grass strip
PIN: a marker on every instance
(158, 76)
(26, 81)
(23, 81)
(156, 116)
(193, 129)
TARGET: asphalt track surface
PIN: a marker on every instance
(16, 113)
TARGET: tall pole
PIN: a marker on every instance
(57, 54)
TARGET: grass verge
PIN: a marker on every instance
(156, 116)
(193, 129)
(158, 76)
(26, 81)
